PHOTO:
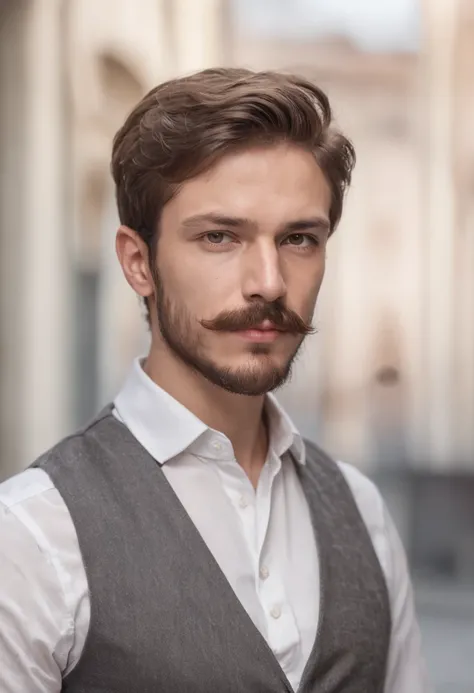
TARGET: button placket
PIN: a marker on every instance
(243, 502)
(282, 629)
(264, 498)
(276, 612)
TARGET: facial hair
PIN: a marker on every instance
(182, 334)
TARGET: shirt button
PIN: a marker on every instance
(264, 572)
(217, 446)
(275, 612)
(243, 502)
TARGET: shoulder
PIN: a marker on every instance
(24, 486)
(32, 507)
(37, 532)
(78, 446)
(43, 581)
(368, 500)
(365, 493)
(380, 525)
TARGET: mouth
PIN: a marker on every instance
(264, 333)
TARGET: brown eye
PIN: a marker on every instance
(214, 239)
(296, 239)
(301, 240)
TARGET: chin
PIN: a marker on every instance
(254, 377)
(260, 358)
(252, 387)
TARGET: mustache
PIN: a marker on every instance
(280, 316)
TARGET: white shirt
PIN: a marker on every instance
(263, 542)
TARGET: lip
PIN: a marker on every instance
(263, 334)
(266, 326)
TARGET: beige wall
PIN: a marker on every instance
(35, 321)
(78, 67)
(448, 230)
(11, 222)
(371, 304)
(399, 291)
(463, 144)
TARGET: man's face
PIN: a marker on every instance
(240, 261)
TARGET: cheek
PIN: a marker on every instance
(211, 290)
(203, 295)
(318, 278)
(304, 293)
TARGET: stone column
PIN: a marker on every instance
(439, 228)
(463, 147)
(12, 227)
(43, 275)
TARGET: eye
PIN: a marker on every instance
(217, 238)
(301, 240)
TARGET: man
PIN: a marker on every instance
(188, 540)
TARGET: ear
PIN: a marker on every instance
(132, 253)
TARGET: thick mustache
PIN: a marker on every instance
(282, 318)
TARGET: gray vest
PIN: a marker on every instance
(164, 619)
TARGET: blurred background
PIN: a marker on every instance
(388, 383)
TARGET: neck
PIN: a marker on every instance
(239, 417)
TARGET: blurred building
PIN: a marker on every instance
(393, 344)
(388, 383)
(70, 70)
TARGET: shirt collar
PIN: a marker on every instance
(284, 435)
(165, 428)
(159, 422)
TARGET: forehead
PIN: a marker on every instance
(268, 184)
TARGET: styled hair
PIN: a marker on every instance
(181, 127)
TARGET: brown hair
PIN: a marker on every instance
(182, 126)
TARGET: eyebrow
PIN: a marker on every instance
(321, 223)
(218, 219)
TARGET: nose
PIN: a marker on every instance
(262, 275)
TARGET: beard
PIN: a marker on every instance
(181, 333)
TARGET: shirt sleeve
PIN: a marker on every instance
(406, 671)
(406, 666)
(34, 617)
